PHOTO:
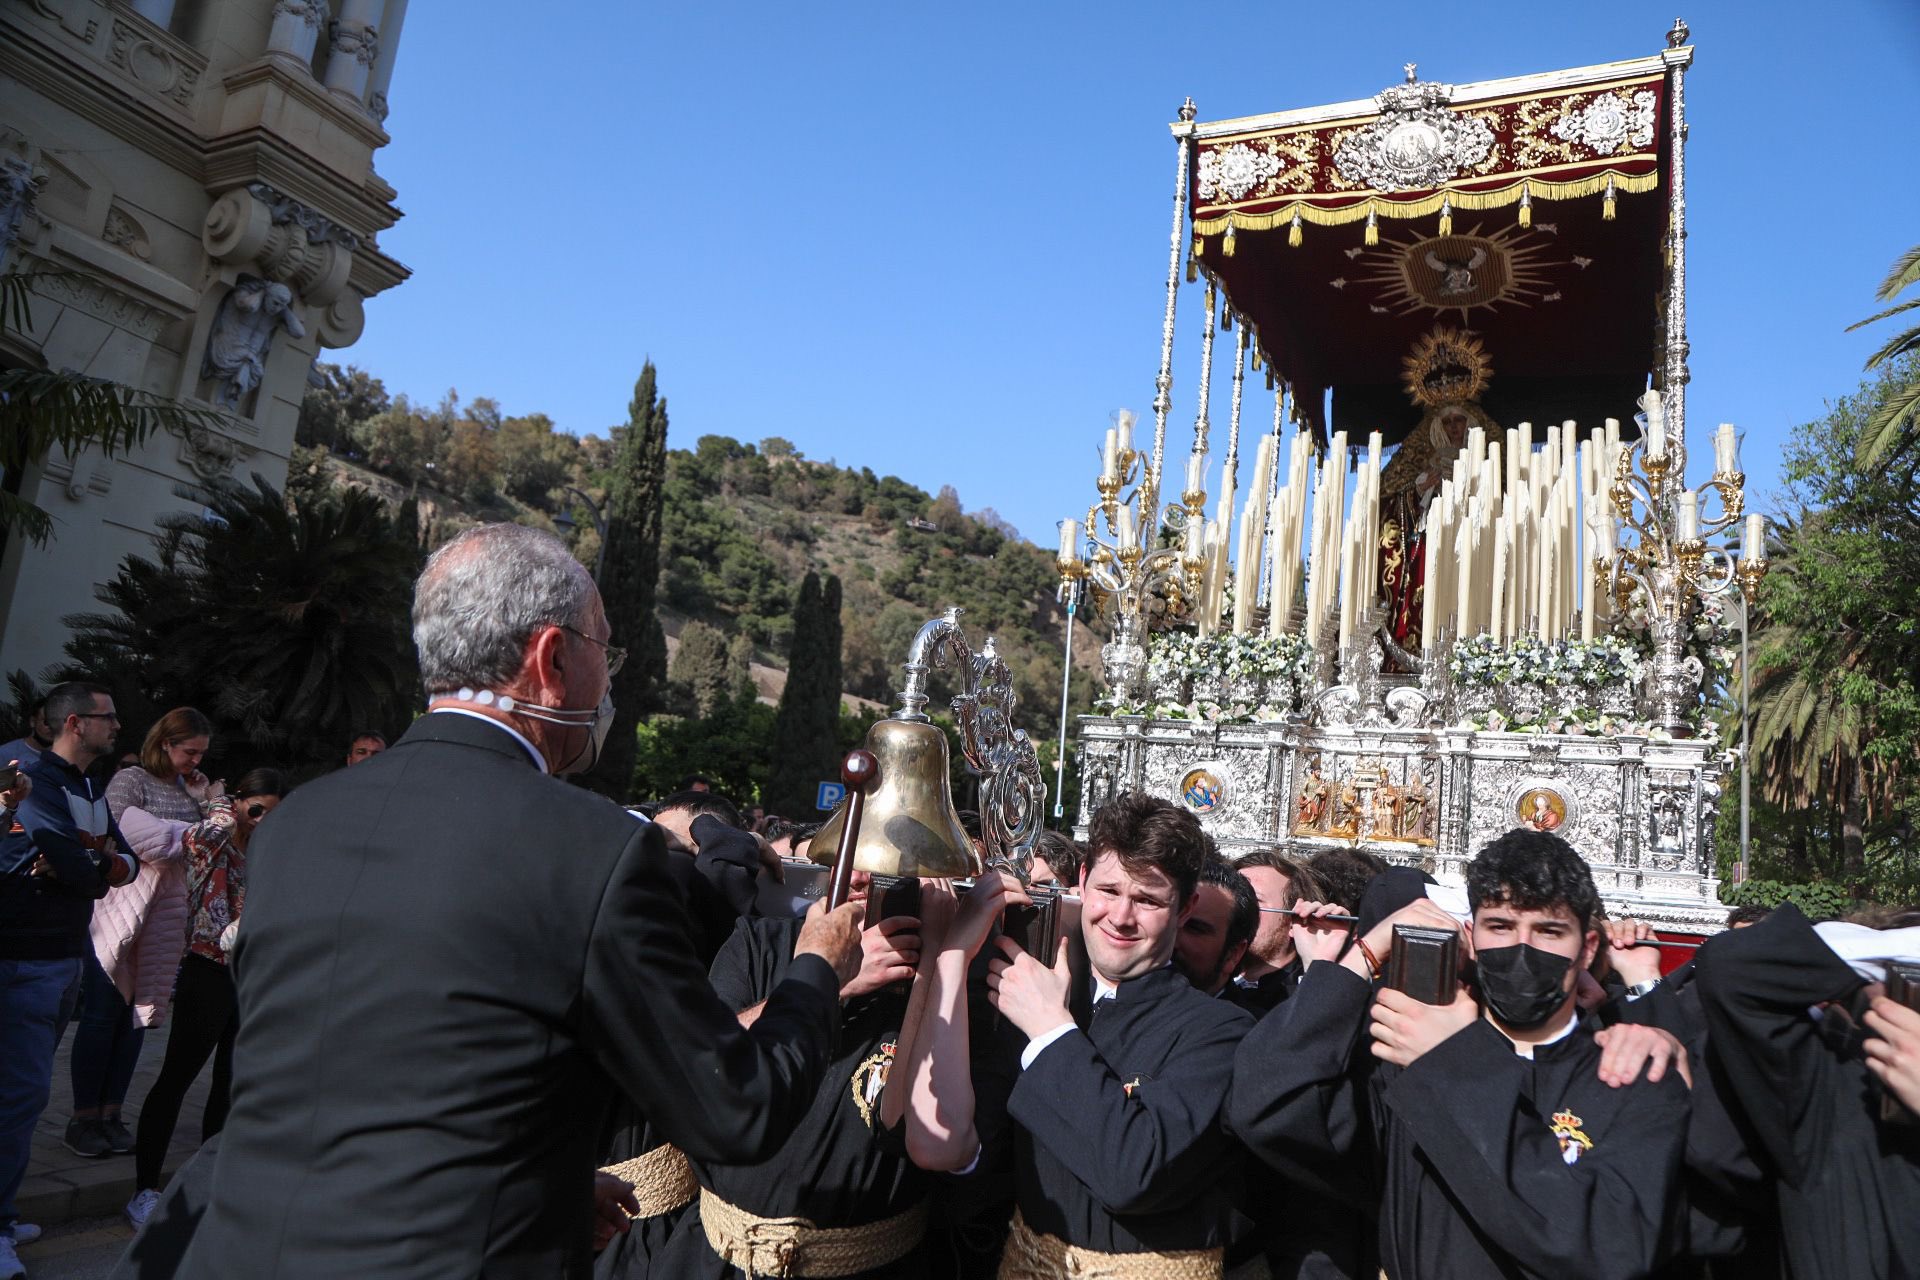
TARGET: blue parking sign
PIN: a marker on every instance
(831, 793)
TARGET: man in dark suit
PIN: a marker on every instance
(450, 961)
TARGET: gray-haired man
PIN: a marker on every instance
(451, 960)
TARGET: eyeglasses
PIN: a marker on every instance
(616, 656)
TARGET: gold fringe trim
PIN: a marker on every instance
(1429, 204)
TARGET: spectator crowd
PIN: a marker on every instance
(466, 1020)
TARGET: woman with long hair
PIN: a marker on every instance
(138, 933)
(205, 1014)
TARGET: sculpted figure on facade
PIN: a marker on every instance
(243, 329)
(19, 185)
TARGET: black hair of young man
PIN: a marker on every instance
(1532, 870)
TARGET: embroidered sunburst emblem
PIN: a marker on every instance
(1573, 1139)
(870, 1080)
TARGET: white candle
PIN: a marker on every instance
(1069, 541)
(1689, 530)
(1430, 603)
(1109, 457)
(1196, 472)
(1726, 452)
(1656, 428)
(1125, 534)
(1754, 545)
(1196, 539)
(1497, 606)
(1124, 432)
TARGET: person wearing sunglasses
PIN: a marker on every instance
(205, 1013)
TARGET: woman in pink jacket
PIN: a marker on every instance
(146, 922)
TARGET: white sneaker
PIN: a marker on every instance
(139, 1209)
(10, 1268)
(25, 1233)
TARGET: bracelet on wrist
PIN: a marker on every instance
(1373, 962)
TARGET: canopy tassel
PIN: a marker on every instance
(1446, 215)
(1526, 205)
(1193, 269)
(1293, 230)
(1199, 246)
(1226, 318)
(1373, 226)
(1226, 243)
(1606, 203)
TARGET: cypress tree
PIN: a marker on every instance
(805, 753)
(700, 664)
(629, 577)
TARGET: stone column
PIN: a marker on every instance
(296, 28)
(355, 44)
(158, 12)
(390, 24)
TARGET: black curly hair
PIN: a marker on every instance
(1532, 870)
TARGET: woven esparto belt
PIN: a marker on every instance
(1030, 1255)
(662, 1180)
(796, 1248)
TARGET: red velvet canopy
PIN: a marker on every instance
(1531, 212)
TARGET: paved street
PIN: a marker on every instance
(84, 1249)
(61, 1187)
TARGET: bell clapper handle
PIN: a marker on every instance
(857, 772)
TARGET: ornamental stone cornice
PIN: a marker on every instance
(152, 57)
(274, 73)
(258, 155)
(82, 85)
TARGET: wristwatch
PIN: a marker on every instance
(1639, 989)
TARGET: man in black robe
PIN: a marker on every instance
(1488, 1141)
(845, 1169)
(1779, 1006)
(1119, 1157)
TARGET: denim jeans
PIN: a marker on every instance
(36, 999)
(106, 1044)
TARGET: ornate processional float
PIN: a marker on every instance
(1427, 620)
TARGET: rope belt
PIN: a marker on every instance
(796, 1248)
(662, 1180)
(1032, 1256)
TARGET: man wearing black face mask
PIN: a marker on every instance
(1486, 1140)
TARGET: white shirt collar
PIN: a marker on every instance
(539, 761)
(1527, 1050)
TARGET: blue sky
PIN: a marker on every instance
(932, 239)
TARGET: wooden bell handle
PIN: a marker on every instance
(859, 769)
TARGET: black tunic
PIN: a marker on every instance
(628, 1134)
(1118, 1144)
(1465, 1152)
(1264, 994)
(1849, 1186)
(839, 1169)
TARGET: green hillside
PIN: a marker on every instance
(742, 525)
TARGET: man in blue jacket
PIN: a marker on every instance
(59, 852)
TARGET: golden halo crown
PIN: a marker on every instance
(1446, 366)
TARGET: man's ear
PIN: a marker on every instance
(1589, 948)
(1193, 900)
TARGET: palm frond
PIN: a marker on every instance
(1890, 426)
(1905, 270)
(1908, 305)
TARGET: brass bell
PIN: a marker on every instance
(910, 827)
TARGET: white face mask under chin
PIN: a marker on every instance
(595, 720)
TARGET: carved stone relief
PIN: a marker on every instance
(169, 72)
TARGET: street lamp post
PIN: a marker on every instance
(566, 522)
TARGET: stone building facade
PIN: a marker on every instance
(193, 180)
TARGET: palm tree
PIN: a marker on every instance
(42, 408)
(287, 623)
(1893, 422)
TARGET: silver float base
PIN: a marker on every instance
(1640, 812)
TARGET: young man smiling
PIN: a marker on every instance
(1486, 1132)
(1118, 1152)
